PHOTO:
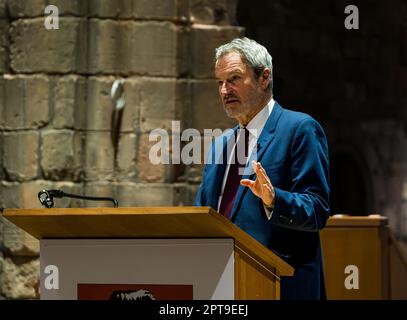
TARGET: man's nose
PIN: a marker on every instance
(225, 88)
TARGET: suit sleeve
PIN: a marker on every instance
(199, 199)
(305, 206)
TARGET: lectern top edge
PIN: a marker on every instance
(106, 211)
(141, 222)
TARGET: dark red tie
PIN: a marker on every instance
(234, 174)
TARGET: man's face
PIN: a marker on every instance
(241, 93)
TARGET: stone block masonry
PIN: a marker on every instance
(56, 113)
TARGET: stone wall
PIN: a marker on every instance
(55, 106)
(56, 110)
(354, 82)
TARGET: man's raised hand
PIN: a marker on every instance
(262, 186)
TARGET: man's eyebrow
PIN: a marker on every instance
(237, 70)
(234, 71)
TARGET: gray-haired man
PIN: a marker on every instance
(284, 202)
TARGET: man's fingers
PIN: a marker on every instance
(264, 174)
(247, 183)
(260, 173)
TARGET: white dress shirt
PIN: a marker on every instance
(255, 127)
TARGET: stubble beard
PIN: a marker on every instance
(233, 110)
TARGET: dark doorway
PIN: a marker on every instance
(349, 188)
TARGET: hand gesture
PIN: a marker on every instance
(262, 186)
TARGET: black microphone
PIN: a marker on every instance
(46, 197)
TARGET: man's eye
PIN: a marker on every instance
(234, 78)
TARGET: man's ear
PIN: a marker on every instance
(265, 78)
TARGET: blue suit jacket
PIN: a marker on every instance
(293, 150)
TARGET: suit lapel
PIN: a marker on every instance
(266, 137)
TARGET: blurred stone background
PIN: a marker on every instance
(55, 106)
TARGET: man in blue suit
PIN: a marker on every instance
(279, 193)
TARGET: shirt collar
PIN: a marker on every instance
(256, 125)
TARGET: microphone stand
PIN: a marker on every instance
(46, 197)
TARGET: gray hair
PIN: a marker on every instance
(254, 54)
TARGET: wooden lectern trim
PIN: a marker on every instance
(106, 211)
(141, 222)
(273, 273)
(357, 221)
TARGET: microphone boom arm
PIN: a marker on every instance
(46, 197)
